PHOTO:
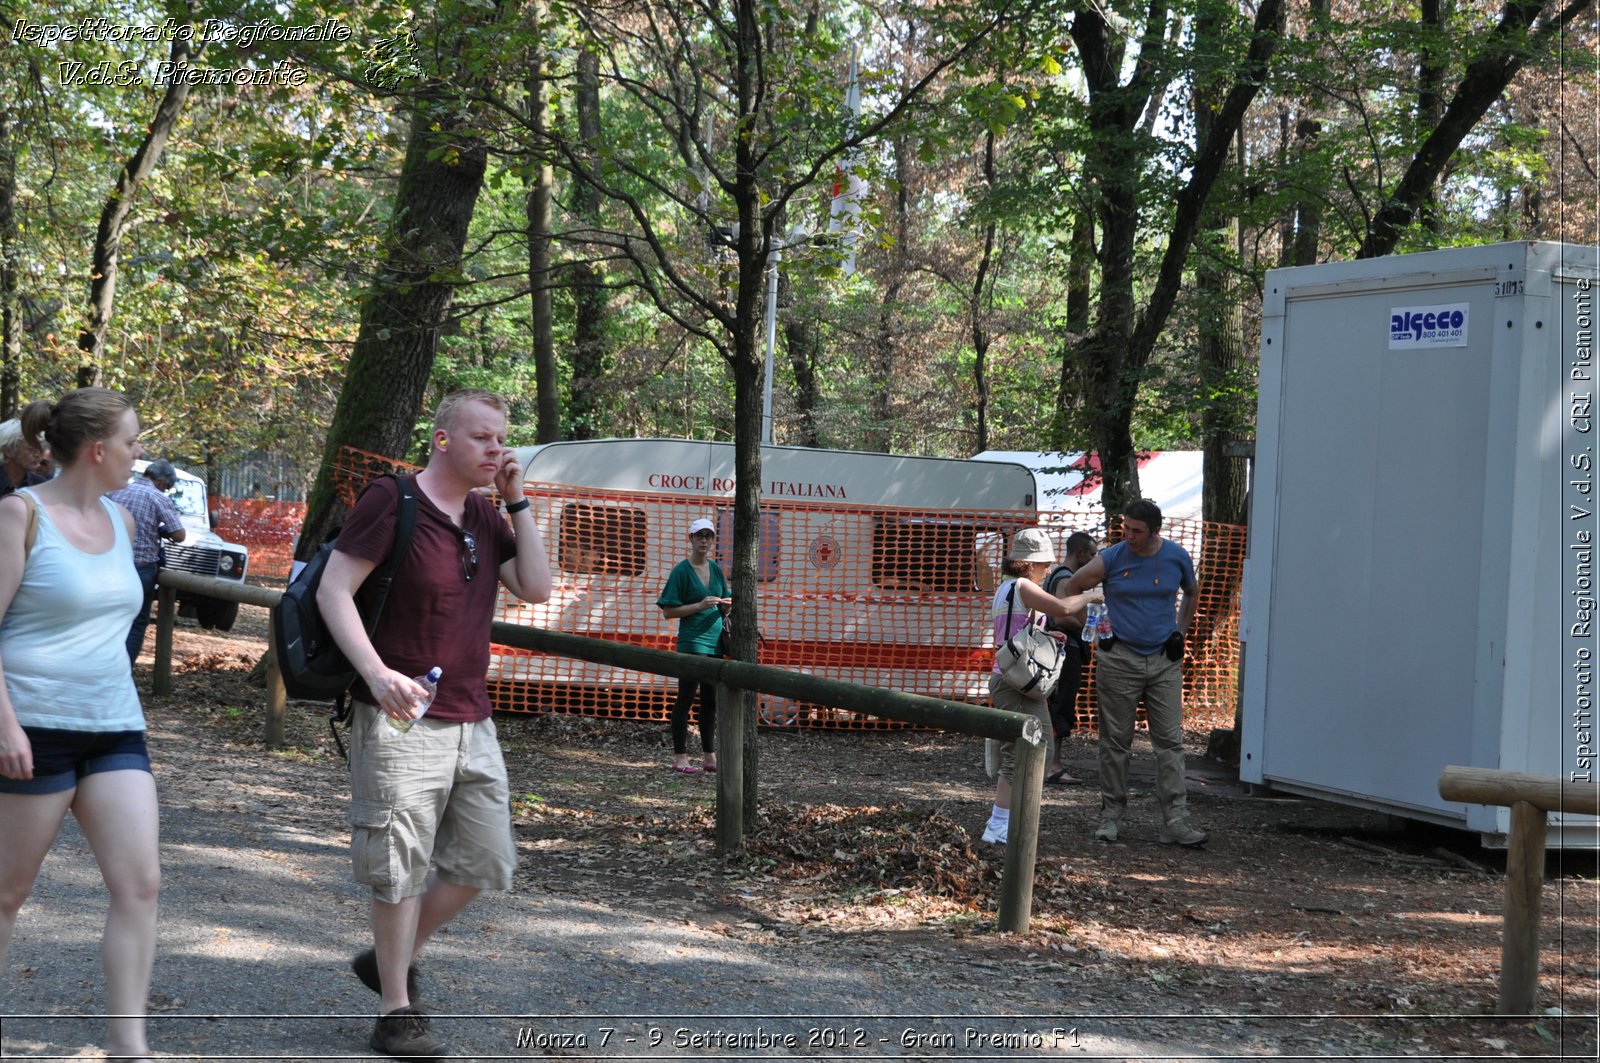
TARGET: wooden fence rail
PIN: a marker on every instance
(732, 679)
(1530, 798)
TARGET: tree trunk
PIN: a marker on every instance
(1080, 270)
(982, 284)
(114, 218)
(1308, 211)
(1307, 132)
(539, 280)
(407, 308)
(1112, 376)
(1080, 309)
(1120, 347)
(589, 368)
(1432, 69)
(1111, 169)
(879, 435)
(802, 339)
(1221, 317)
(10, 310)
(755, 237)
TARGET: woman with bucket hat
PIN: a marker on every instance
(1015, 600)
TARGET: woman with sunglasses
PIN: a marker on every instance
(696, 595)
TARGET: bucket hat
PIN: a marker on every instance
(1032, 544)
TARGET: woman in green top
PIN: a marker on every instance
(696, 595)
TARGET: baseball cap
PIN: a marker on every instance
(702, 525)
(1032, 544)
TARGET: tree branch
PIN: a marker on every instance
(1503, 52)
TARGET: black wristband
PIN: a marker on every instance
(518, 506)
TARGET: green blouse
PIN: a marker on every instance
(697, 632)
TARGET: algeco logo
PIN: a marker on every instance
(1416, 325)
(1428, 326)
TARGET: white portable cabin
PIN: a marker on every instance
(851, 586)
(1420, 589)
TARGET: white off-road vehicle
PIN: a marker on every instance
(203, 552)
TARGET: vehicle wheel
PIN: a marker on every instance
(218, 614)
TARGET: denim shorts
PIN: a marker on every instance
(61, 758)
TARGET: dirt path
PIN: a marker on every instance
(860, 924)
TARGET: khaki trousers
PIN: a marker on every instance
(1122, 677)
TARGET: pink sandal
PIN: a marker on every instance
(686, 769)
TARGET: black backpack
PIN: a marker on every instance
(310, 661)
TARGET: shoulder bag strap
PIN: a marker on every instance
(1011, 602)
(30, 527)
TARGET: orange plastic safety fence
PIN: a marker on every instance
(267, 527)
(880, 596)
(1211, 662)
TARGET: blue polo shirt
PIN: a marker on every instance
(1142, 593)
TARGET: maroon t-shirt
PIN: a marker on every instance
(434, 615)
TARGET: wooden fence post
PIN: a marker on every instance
(1022, 836)
(276, 698)
(1519, 950)
(730, 769)
(166, 617)
(1529, 797)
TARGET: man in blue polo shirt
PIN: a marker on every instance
(1144, 575)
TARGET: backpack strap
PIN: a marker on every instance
(405, 528)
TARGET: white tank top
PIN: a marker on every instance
(63, 642)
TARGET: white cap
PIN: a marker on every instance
(702, 525)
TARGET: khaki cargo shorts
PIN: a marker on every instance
(434, 797)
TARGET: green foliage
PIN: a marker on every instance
(255, 240)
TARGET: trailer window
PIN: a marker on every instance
(602, 540)
(931, 556)
(767, 553)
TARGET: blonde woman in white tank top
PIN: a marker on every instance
(71, 730)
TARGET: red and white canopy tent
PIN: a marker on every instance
(1070, 482)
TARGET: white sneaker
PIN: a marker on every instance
(995, 833)
(1107, 831)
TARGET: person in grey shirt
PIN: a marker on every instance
(154, 518)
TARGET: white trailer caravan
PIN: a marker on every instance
(874, 568)
(1421, 581)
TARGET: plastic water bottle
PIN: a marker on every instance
(1091, 622)
(430, 683)
(1104, 624)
